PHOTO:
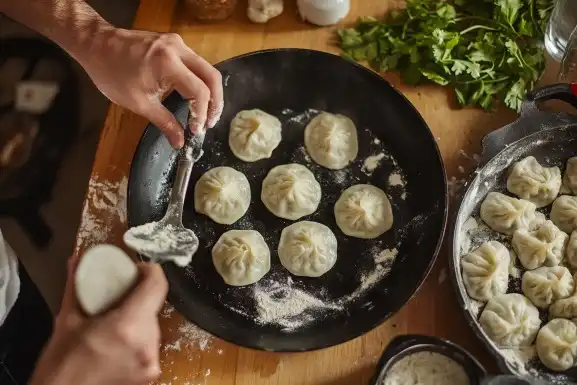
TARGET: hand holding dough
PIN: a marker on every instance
(103, 276)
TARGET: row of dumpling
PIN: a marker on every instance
(512, 320)
(331, 140)
(306, 248)
(291, 191)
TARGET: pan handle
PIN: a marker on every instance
(494, 142)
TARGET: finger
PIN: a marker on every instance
(212, 78)
(166, 122)
(193, 89)
(148, 297)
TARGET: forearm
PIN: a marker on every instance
(72, 24)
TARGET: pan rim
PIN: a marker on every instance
(176, 302)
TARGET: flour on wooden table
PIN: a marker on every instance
(105, 205)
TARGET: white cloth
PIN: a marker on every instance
(9, 279)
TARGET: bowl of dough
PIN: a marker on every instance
(514, 243)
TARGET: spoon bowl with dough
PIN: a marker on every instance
(167, 239)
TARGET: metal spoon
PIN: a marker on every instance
(168, 239)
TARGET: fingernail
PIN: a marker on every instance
(179, 142)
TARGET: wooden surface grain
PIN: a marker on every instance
(190, 356)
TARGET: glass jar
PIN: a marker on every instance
(211, 10)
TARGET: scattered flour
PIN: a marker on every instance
(387, 255)
(377, 141)
(194, 337)
(286, 306)
(426, 368)
(395, 179)
(455, 185)
(461, 169)
(519, 358)
(303, 117)
(372, 162)
(104, 207)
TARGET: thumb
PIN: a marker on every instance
(150, 293)
(166, 122)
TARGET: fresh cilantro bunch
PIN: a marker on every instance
(487, 50)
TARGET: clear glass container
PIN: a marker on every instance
(568, 69)
(211, 10)
(562, 22)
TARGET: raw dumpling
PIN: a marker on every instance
(254, 135)
(564, 308)
(307, 249)
(223, 194)
(364, 211)
(547, 284)
(570, 177)
(557, 345)
(486, 271)
(241, 257)
(331, 140)
(510, 320)
(544, 246)
(571, 250)
(506, 214)
(291, 191)
(564, 213)
(533, 182)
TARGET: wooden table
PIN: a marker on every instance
(190, 356)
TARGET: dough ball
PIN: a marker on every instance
(505, 214)
(364, 211)
(533, 182)
(331, 140)
(557, 345)
(103, 276)
(254, 135)
(223, 194)
(564, 213)
(291, 191)
(510, 320)
(486, 271)
(543, 246)
(261, 11)
(307, 249)
(241, 257)
(547, 284)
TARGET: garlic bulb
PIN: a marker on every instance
(323, 12)
(261, 11)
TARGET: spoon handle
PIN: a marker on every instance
(190, 152)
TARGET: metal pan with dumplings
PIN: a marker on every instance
(549, 137)
(285, 312)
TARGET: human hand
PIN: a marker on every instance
(120, 347)
(134, 69)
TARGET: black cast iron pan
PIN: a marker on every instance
(288, 83)
(551, 138)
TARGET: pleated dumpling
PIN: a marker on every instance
(510, 320)
(223, 194)
(557, 345)
(364, 211)
(543, 246)
(571, 250)
(545, 285)
(307, 249)
(254, 135)
(241, 257)
(564, 213)
(564, 308)
(505, 214)
(570, 176)
(486, 271)
(291, 191)
(533, 182)
(331, 140)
